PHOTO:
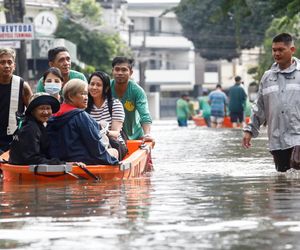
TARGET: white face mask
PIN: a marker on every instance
(52, 88)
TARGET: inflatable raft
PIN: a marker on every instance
(199, 121)
(135, 164)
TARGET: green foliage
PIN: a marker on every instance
(285, 7)
(79, 23)
(87, 70)
(88, 11)
(277, 26)
(219, 29)
(2, 8)
(252, 71)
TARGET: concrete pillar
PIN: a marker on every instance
(192, 59)
(154, 105)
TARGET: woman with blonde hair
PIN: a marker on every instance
(74, 135)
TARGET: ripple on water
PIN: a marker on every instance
(206, 193)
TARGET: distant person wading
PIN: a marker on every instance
(182, 110)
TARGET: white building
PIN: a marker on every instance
(164, 59)
(156, 39)
(224, 72)
(172, 63)
(37, 49)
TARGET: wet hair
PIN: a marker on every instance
(8, 51)
(52, 53)
(55, 71)
(72, 87)
(237, 78)
(122, 59)
(285, 38)
(218, 86)
(106, 93)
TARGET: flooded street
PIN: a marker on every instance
(206, 193)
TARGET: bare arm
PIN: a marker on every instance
(27, 93)
(146, 128)
(115, 129)
(147, 136)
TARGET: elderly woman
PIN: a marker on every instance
(106, 110)
(74, 135)
(30, 144)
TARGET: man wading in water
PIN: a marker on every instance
(278, 103)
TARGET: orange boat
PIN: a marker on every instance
(199, 121)
(134, 165)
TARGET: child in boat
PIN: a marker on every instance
(30, 143)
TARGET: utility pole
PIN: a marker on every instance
(143, 63)
(142, 69)
(14, 13)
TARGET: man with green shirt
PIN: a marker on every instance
(237, 98)
(59, 57)
(137, 124)
(182, 110)
(204, 107)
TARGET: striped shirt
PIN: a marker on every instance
(102, 113)
(218, 100)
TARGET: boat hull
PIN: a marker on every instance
(199, 121)
(133, 166)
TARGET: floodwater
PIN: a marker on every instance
(206, 193)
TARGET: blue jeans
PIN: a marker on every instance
(182, 122)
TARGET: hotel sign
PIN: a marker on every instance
(16, 31)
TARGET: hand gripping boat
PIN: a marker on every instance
(134, 165)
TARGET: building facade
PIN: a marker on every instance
(37, 49)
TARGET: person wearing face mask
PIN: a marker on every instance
(30, 143)
(52, 79)
(74, 135)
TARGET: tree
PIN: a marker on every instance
(80, 22)
(219, 29)
(288, 8)
(277, 26)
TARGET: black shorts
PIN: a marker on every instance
(282, 159)
(237, 116)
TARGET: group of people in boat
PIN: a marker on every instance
(214, 106)
(70, 118)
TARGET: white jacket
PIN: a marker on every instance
(278, 104)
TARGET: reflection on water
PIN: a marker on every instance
(63, 214)
(69, 199)
(206, 193)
